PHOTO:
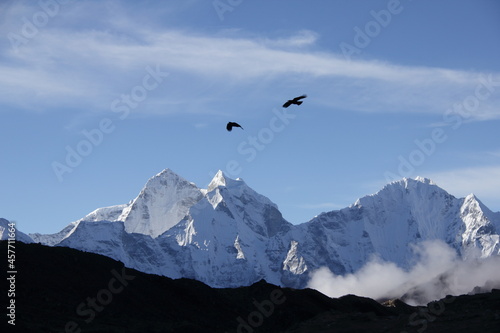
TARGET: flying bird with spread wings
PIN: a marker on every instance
(296, 100)
(231, 124)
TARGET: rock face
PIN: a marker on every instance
(228, 235)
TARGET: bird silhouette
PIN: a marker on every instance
(231, 124)
(296, 100)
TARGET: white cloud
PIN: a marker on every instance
(301, 39)
(102, 61)
(380, 280)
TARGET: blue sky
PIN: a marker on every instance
(99, 96)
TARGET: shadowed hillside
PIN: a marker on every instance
(64, 290)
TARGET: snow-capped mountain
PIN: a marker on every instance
(162, 203)
(404, 212)
(8, 228)
(228, 235)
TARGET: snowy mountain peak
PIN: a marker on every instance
(471, 198)
(162, 203)
(220, 179)
(6, 232)
(411, 189)
(165, 178)
(410, 182)
(237, 200)
(425, 180)
(230, 235)
(471, 204)
(167, 172)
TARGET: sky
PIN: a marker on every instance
(96, 97)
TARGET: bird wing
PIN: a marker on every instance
(229, 126)
(287, 103)
(299, 98)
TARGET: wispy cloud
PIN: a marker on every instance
(302, 38)
(73, 63)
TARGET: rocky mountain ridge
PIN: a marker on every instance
(228, 235)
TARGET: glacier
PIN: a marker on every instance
(228, 235)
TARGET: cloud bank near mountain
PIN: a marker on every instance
(436, 272)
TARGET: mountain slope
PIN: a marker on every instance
(66, 290)
(404, 212)
(161, 204)
(8, 228)
(228, 235)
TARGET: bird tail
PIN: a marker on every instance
(299, 102)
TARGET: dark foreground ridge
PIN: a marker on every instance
(65, 290)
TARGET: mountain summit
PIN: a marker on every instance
(220, 179)
(162, 203)
(228, 235)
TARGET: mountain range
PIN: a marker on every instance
(228, 235)
(59, 289)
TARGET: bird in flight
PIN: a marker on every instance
(231, 124)
(296, 100)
